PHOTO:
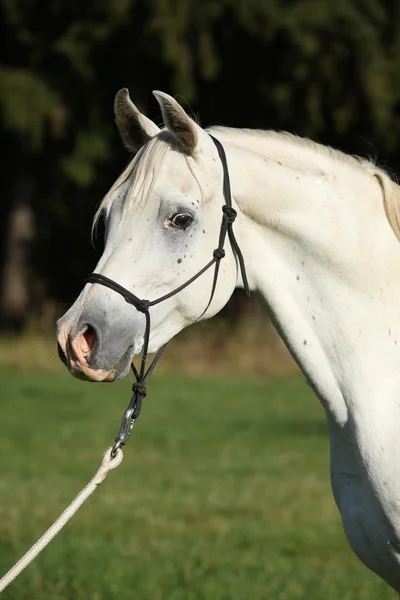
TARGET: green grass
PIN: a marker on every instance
(223, 493)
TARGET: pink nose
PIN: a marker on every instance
(87, 341)
(78, 350)
(80, 347)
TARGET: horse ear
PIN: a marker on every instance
(135, 129)
(178, 122)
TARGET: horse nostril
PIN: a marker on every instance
(88, 340)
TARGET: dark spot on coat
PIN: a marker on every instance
(179, 260)
(298, 278)
(305, 343)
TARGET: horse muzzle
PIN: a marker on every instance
(96, 347)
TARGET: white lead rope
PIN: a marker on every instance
(108, 463)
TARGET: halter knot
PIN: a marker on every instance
(139, 389)
(230, 213)
(142, 306)
(219, 253)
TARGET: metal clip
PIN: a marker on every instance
(127, 424)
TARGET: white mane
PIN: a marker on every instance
(304, 154)
(296, 153)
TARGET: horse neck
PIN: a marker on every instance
(320, 251)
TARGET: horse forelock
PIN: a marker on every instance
(142, 172)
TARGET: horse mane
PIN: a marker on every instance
(289, 149)
(287, 145)
(391, 199)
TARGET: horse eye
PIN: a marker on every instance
(182, 220)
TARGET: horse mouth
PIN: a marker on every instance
(90, 368)
(119, 371)
(122, 368)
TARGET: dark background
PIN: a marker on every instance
(325, 69)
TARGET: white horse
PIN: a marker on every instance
(319, 233)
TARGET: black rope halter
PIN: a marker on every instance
(139, 387)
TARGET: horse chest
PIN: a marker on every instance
(372, 532)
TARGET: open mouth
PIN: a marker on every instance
(118, 371)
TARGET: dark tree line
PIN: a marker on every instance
(324, 69)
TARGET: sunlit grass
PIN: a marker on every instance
(223, 493)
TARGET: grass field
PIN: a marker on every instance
(223, 493)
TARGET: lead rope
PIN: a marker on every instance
(108, 463)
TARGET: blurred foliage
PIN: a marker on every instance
(324, 69)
